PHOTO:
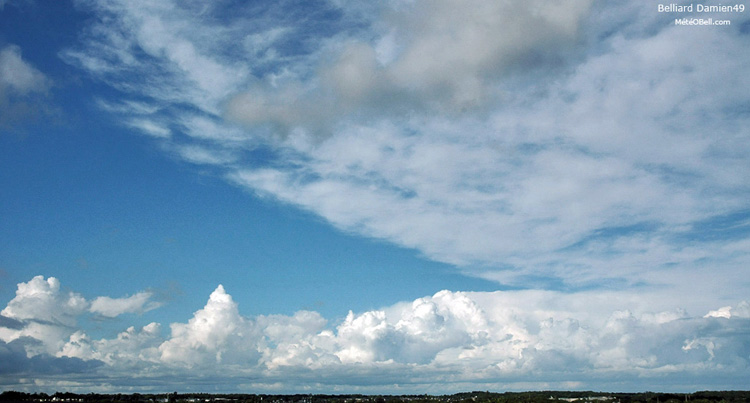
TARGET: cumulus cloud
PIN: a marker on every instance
(213, 335)
(458, 339)
(44, 312)
(14, 361)
(48, 314)
(416, 334)
(740, 311)
(131, 349)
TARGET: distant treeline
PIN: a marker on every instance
(468, 397)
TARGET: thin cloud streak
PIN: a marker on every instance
(112, 307)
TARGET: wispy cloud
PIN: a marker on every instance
(17, 75)
(112, 307)
(21, 87)
(530, 146)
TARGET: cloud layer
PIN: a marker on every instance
(450, 341)
(530, 144)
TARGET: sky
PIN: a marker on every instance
(402, 197)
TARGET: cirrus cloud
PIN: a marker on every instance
(534, 146)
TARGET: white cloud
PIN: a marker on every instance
(216, 334)
(619, 146)
(128, 107)
(48, 313)
(440, 56)
(42, 300)
(740, 311)
(43, 312)
(131, 349)
(584, 146)
(527, 143)
(416, 333)
(298, 341)
(111, 307)
(455, 339)
(200, 155)
(149, 127)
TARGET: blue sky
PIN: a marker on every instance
(402, 197)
